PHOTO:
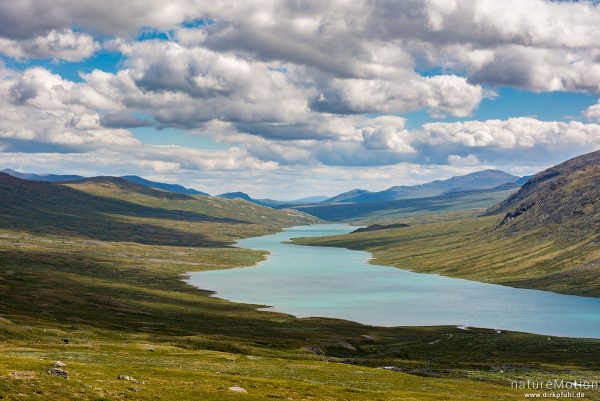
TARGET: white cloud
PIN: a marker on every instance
(65, 45)
(39, 107)
(440, 95)
(387, 133)
(287, 85)
(469, 160)
(357, 40)
(514, 133)
(593, 112)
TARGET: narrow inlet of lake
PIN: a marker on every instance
(340, 283)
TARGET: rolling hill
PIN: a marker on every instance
(113, 209)
(236, 195)
(42, 177)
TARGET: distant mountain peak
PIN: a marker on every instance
(236, 195)
(484, 179)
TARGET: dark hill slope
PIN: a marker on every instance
(236, 195)
(565, 197)
(112, 209)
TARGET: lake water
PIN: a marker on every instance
(339, 283)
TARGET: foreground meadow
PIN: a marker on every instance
(110, 309)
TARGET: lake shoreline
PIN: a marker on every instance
(330, 308)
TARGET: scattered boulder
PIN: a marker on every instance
(57, 372)
(59, 364)
(237, 389)
(131, 379)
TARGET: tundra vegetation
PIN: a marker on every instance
(92, 289)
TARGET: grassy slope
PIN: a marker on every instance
(125, 311)
(116, 210)
(472, 248)
(226, 220)
(564, 200)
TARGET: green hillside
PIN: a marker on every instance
(110, 309)
(91, 275)
(113, 209)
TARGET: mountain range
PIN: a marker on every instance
(452, 201)
(485, 179)
(456, 193)
(274, 203)
(41, 177)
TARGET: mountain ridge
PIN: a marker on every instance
(484, 179)
(565, 196)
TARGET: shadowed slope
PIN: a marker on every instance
(116, 210)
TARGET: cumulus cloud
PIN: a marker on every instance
(291, 85)
(40, 107)
(513, 133)
(387, 133)
(593, 112)
(469, 160)
(440, 95)
(20, 18)
(65, 45)
(359, 40)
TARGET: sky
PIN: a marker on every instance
(292, 98)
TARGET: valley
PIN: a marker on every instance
(545, 236)
(94, 275)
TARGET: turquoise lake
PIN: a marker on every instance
(339, 283)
